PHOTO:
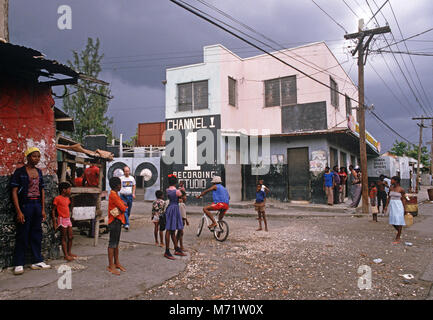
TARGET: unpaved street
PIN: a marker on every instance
(300, 258)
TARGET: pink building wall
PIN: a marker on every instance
(250, 74)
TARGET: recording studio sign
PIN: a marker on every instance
(193, 164)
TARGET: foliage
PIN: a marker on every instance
(88, 104)
(401, 149)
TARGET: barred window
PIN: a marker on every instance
(334, 93)
(193, 96)
(232, 92)
(280, 92)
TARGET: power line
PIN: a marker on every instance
(374, 15)
(188, 7)
(350, 9)
(398, 64)
(406, 39)
(413, 65)
(389, 127)
(260, 34)
(422, 54)
(330, 16)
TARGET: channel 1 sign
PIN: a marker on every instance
(191, 151)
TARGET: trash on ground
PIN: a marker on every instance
(408, 276)
(377, 260)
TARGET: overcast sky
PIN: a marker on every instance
(141, 38)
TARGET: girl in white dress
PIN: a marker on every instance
(396, 203)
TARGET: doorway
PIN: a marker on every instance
(298, 174)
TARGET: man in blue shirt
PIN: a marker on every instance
(328, 185)
(220, 203)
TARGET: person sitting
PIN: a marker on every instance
(220, 203)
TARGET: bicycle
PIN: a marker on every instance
(220, 232)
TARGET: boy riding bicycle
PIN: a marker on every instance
(220, 203)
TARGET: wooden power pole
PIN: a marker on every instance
(361, 48)
(418, 169)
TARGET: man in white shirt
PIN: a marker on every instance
(127, 192)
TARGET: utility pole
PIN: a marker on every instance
(421, 126)
(360, 48)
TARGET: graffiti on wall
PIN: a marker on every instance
(318, 161)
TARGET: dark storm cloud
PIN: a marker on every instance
(140, 38)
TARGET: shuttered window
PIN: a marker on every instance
(193, 96)
(280, 92)
(334, 93)
(348, 106)
(232, 92)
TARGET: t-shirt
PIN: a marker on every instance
(336, 177)
(92, 176)
(220, 195)
(373, 192)
(389, 184)
(127, 183)
(62, 205)
(260, 196)
(343, 176)
(78, 182)
(113, 202)
(158, 207)
(329, 179)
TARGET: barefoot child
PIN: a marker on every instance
(61, 205)
(158, 207)
(182, 208)
(116, 218)
(260, 206)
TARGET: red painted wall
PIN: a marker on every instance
(26, 120)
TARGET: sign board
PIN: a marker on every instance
(195, 174)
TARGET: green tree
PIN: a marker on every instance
(88, 105)
(401, 149)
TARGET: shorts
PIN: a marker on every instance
(260, 206)
(155, 218)
(162, 222)
(220, 206)
(64, 222)
(115, 228)
(182, 208)
(373, 201)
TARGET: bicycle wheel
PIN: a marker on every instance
(222, 231)
(200, 226)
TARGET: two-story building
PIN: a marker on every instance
(301, 126)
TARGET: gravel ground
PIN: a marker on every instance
(299, 258)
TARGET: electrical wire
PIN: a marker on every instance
(410, 58)
(399, 66)
(330, 16)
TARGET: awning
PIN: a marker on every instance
(30, 64)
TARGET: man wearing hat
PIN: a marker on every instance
(220, 203)
(28, 198)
